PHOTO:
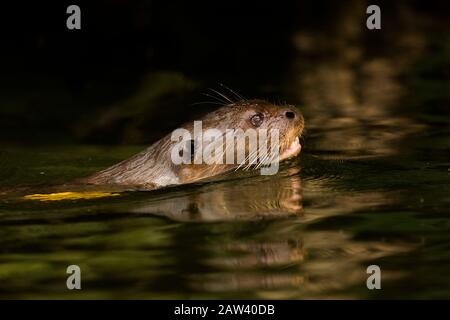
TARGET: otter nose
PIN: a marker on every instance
(290, 113)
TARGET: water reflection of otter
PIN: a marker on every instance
(253, 198)
(304, 264)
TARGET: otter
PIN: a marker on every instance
(154, 168)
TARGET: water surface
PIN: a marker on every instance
(308, 232)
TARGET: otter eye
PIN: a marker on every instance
(257, 119)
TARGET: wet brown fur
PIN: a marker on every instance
(153, 168)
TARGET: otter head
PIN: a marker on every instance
(286, 120)
(243, 134)
(227, 135)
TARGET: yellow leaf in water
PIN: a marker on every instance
(69, 195)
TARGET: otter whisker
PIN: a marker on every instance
(222, 95)
(261, 161)
(207, 102)
(268, 159)
(253, 158)
(216, 98)
(243, 162)
(223, 152)
(236, 94)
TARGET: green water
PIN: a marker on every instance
(308, 232)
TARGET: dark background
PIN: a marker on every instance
(60, 85)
